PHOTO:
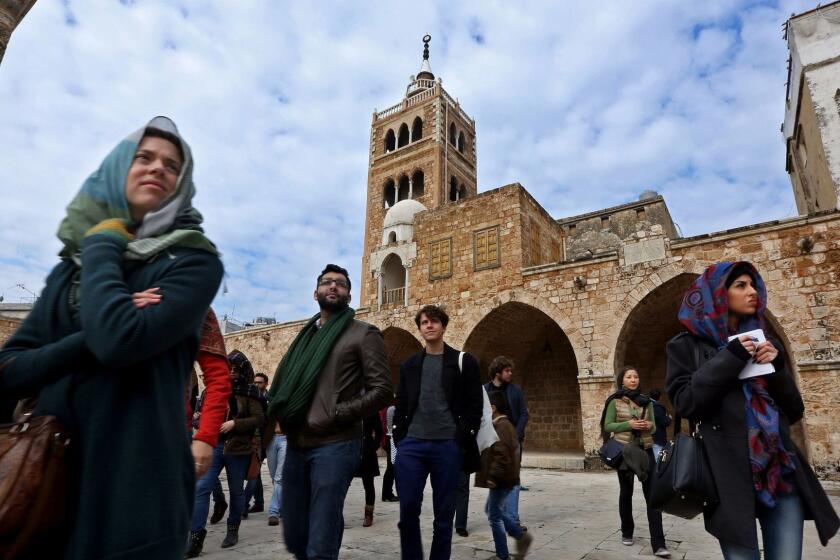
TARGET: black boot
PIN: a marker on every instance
(232, 536)
(219, 509)
(196, 543)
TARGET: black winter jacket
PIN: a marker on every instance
(710, 392)
(463, 395)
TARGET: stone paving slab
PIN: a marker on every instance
(572, 515)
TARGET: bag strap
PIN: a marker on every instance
(461, 362)
(692, 426)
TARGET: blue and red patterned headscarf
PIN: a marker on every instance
(705, 306)
(705, 313)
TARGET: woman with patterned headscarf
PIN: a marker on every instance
(113, 373)
(232, 452)
(745, 423)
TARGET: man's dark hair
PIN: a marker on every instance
(334, 268)
(499, 364)
(497, 399)
(655, 394)
(432, 312)
(158, 133)
(264, 376)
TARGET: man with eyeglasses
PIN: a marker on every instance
(333, 375)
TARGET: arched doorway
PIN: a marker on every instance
(399, 345)
(545, 368)
(653, 322)
(393, 280)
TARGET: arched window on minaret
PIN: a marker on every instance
(461, 142)
(403, 192)
(453, 189)
(402, 139)
(392, 237)
(462, 192)
(417, 129)
(389, 193)
(393, 281)
(452, 133)
(390, 141)
(417, 187)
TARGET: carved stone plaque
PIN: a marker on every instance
(644, 251)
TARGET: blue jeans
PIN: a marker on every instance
(781, 532)
(236, 467)
(416, 460)
(276, 454)
(254, 489)
(315, 483)
(501, 521)
(512, 504)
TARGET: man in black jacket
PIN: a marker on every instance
(438, 413)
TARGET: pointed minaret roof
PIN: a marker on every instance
(425, 68)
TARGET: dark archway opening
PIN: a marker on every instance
(402, 139)
(545, 368)
(417, 187)
(649, 327)
(399, 345)
(452, 134)
(403, 188)
(461, 142)
(417, 129)
(390, 141)
(453, 189)
(389, 193)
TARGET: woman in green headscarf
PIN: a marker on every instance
(115, 373)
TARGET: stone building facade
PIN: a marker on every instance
(570, 299)
(11, 14)
(812, 108)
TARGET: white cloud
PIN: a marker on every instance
(586, 105)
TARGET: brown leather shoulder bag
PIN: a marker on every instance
(32, 482)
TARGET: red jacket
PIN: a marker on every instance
(216, 395)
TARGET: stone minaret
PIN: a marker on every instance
(422, 156)
(11, 14)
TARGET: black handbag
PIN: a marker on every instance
(611, 453)
(682, 482)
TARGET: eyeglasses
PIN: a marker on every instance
(326, 282)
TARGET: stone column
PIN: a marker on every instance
(11, 14)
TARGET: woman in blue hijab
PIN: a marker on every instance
(744, 423)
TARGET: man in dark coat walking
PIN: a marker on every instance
(501, 373)
(437, 416)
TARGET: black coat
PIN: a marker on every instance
(372, 433)
(463, 395)
(713, 395)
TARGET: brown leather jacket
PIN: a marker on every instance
(355, 382)
(239, 440)
(500, 462)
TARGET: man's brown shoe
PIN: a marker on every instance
(273, 521)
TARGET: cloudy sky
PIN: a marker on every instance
(586, 104)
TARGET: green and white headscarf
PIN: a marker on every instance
(102, 196)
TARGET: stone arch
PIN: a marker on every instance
(393, 280)
(453, 134)
(389, 193)
(453, 189)
(461, 142)
(399, 345)
(417, 129)
(641, 342)
(392, 237)
(545, 367)
(390, 141)
(402, 137)
(417, 186)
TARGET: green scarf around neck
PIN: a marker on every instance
(297, 375)
(102, 196)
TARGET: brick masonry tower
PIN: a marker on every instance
(422, 156)
(11, 14)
